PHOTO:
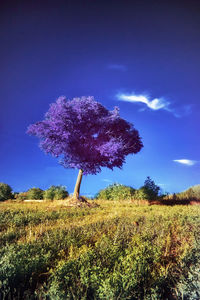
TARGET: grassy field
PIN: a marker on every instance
(116, 250)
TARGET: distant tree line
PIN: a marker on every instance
(193, 193)
(149, 191)
(55, 192)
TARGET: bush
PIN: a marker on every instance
(116, 192)
(56, 193)
(21, 196)
(141, 194)
(35, 193)
(5, 191)
(21, 265)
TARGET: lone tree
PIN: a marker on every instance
(5, 192)
(86, 136)
(151, 189)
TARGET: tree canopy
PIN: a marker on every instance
(35, 193)
(5, 191)
(56, 192)
(150, 189)
(86, 135)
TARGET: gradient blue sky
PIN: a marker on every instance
(124, 53)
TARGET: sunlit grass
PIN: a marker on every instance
(115, 248)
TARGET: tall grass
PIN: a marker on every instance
(117, 250)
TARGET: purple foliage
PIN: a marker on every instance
(86, 135)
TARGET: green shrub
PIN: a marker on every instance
(56, 193)
(35, 193)
(21, 266)
(116, 192)
(189, 286)
(60, 193)
(140, 194)
(21, 196)
(5, 192)
(112, 270)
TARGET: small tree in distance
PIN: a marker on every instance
(86, 136)
(150, 189)
(5, 192)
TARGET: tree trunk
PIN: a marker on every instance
(78, 184)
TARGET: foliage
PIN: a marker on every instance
(5, 192)
(56, 193)
(149, 191)
(189, 284)
(35, 193)
(116, 192)
(116, 250)
(21, 196)
(196, 190)
(193, 193)
(141, 194)
(52, 193)
(86, 135)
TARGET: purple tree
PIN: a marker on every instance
(86, 136)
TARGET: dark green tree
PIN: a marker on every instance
(5, 192)
(150, 189)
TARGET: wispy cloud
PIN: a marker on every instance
(163, 184)
(187, 162)
(118, 67)
(107, 180)
(154, 104)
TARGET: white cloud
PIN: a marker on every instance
(162, 184)
(187, 162)
(155, 104)
(107, 180)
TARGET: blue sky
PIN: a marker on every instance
(142, 56)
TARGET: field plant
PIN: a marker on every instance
(116, 250)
